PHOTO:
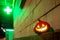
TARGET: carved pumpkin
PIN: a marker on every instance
(41, 26)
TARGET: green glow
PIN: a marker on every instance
(17, 10)
(13, 3)
(9, 34)
(9, 30)
(8, 10)
(19, 13)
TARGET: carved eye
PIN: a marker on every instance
(43, 25)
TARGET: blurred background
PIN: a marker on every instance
(25, 15)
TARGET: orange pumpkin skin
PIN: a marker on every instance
(45, 24)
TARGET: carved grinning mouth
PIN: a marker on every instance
(42, 29)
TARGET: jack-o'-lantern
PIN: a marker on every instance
(41, 27)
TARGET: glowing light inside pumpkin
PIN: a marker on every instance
(41, 29)
(38, 26)
(43, 25)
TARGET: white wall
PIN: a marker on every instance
(34, 10)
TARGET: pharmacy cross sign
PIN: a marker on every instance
(8, 10)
